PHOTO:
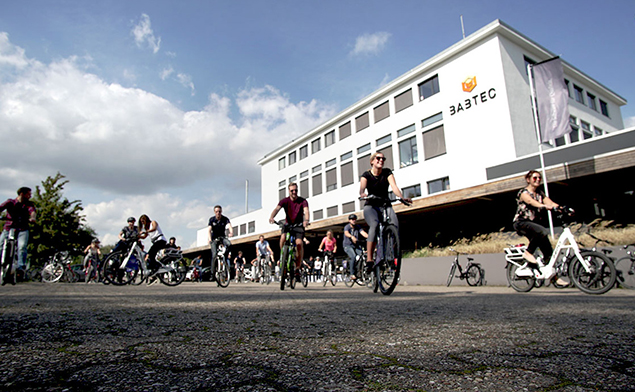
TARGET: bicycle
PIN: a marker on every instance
(9, 260)
(387, 264)
(92, 269)
(264, 269)
(329, 270)
(287, 258)
(363, 278)
(625, 267)
(473, 272)
(58, 268)
(222, 264)
(590, 271)
(304, 275)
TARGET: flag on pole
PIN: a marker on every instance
(553, 99)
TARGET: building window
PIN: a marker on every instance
(292, 179)
(315, 146)
(304, 152)
(442, 184)
(434, 143)
(384, 140)
(586, 130)
(431, 120)
(292, 158)
(304, 188)
(346, 171)
(282, 183)
(331, 211)
(363, 164)
(317, 185)
(349, 207)
(346, 156)
(579, 94)
(243, 229)
(304, 174)
(574, 135)
(591, 101)
(381, 112)
(330, 162)
(568, 84)
(331, 180)
(282, 193)
(281, 163)
(316, 168)
(329, 138)
(604, 108)
(345, 130)
(362, 122)
(405, 131)
(387, 151)
(429, 88)
(363, 148)
(251, 227)
(403, 100)
(597, 131)
(408, 152)
(560, 141)
(318, 214)
(411, 191)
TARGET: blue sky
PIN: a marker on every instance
(164, 107)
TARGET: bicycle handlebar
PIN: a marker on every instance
(373, 197)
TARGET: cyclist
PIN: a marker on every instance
(376, 181)
(263, 250)
(529, 219)
(297, 212)
(217, 225)
(127, 232)
(172, 244)
(20, 212)
(93, 253)
(352, 231)
(239, 264)
(149, 227)
(329, 244)
(197, 264)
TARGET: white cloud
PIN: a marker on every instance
(144, 36)
(629, 122)
(370, 43)
(10, 54)
(186, 81)
(166, 73)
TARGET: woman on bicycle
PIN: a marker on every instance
(329, 244)
(93, 255)
(149, 227)
(376, 181)
(528, 221)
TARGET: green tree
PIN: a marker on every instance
(59, 225)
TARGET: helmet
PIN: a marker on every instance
(132, 219)
(352, 216)
(95, 241)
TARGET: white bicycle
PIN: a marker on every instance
(591, 272)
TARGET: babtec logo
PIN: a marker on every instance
(469, 84)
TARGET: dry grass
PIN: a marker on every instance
(610, 233)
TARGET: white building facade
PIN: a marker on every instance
(441, 126)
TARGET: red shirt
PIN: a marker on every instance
(18, 214)
(294, 209)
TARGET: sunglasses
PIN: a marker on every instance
(380, 158)
(293, 190)
(536, 178)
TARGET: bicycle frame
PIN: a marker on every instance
(136, 251)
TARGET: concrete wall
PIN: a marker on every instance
(434, 270)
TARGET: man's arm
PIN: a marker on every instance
(274, 213)
(231, 229)
(306, 215)
(209, 234)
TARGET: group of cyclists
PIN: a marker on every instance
(531, 202)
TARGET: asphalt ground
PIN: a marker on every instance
(248, 337)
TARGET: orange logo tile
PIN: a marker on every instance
(469, 84)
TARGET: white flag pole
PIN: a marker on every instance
(537, 125)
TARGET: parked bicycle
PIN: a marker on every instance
(590, 271)
(388, 252)
(58, 268)
(473, 272)
(9, 260)
(329, 268)
(625, 267)
(288, 257)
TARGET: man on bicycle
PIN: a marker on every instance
(127, 232)
(217, 225)
(352, 231)
(264, 252)
(296, 209)
(20, 212)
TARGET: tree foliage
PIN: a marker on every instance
(59, 225)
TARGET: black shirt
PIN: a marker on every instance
(377, 186)
(218, 226)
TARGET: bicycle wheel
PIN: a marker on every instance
(625, 268)
(5, 263)
(333, 276)
(284, 262)
(600, 277)
(222, 272)
(176, 275)
(451, 276)
(52, 272)
(292, 279)
(474, 276)
(388, 270)
(268, 276)
(326, 272)
(113, 272)
(522, 284)
(346, 278)
(305, 278)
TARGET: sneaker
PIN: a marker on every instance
(152, 280)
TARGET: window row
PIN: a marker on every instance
(581, 130)
(404, 100)
(245, 228)
(587, 99)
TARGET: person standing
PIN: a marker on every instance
(216, 233)
(296, 209)
(20, 212)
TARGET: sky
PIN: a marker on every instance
(164, 108)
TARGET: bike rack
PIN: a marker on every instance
(515, 253)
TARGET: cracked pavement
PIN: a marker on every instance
(248, 337)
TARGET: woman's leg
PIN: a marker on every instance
(371, 215)
(538, 236)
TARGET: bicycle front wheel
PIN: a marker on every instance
(176, 275)
(305, 278)
(451, 276)
(388, 270)
(346, 278)
(625, 268)
(222, 273)
(284, 262)
(52, 272)
(521, 284)
(292, 279)
(600, 276)
(474, 275)
(113, 272)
